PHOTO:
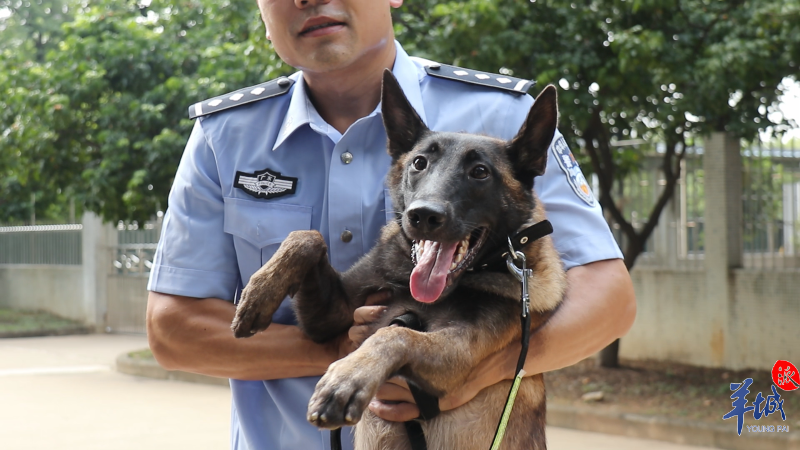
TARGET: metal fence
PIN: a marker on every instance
(690, 199)
(136, 248)
(771, 202)
(62, 245)
(678, 238)
(42, 244)
(636, 195)
(770, 206)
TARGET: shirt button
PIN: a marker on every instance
(347, 236)
(347, 157)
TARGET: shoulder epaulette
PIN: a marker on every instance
(273, 88)
(516, 85)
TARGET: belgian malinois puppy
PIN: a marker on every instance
(461, 196)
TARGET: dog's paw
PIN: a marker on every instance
(341, 396)
(253, 313)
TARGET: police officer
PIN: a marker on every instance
(308, 152)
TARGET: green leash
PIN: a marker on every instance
(501, 428)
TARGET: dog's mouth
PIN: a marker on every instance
(437, 265)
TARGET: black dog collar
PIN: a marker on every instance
(496, 260)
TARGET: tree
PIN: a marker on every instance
(102, 116)
(659, 70)
(35, 25)
(28, 31)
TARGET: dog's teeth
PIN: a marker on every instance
(459, 258)
(348, 418)
(313, 417)
(453, 265)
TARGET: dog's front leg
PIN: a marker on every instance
(322, 306)
(438, 360)
(282, 275)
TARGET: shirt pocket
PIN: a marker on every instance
(258, 228)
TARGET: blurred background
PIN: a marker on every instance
(684, 115)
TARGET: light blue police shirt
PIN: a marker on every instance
(216, 235)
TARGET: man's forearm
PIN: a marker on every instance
(599, 307)
(194, 335)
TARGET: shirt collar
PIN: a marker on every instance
(301, 111)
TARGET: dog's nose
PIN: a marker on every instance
(426, 216)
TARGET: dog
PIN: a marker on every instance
(461, 196)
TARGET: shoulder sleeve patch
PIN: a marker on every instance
(518, 86)
(273, 88)
(572, 171)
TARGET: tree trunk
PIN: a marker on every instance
(609, 356)
(599, 149)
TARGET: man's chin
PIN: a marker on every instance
(327, 57)
(334, 53)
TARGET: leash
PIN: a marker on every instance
(336, 439)
(522, 274)
(429, 404)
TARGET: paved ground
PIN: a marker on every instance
(62, 392)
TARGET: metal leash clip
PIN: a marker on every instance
(520, 274)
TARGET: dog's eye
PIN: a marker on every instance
(480, 172)
(420, 163)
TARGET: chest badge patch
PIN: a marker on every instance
(572, 170)
(265, 184)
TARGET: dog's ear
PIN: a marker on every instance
(528, 150)
(403, 125)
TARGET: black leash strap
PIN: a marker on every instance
(428, 404)
(336, 439)
(496, 260)
(415, 435)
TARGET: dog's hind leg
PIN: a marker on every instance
(301, 261)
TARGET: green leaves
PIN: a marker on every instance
(101, 116)
(654, 60)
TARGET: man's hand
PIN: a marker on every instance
(598, 308)
(363, 317)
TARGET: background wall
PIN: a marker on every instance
(674, 322)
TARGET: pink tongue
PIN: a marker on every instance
(429, 277)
